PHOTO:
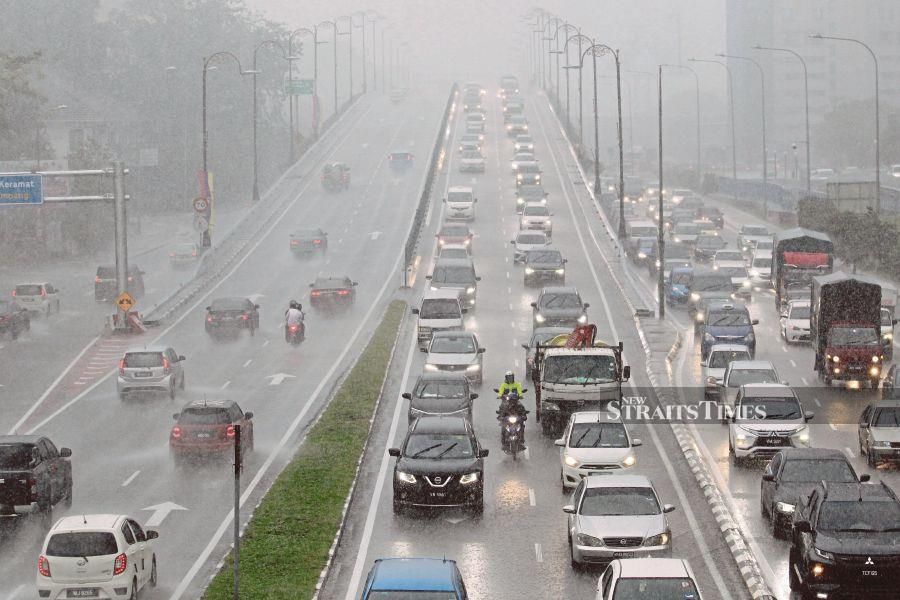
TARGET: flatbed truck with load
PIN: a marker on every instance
(798, 256)
(575, 372)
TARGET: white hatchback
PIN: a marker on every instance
(795, 325)
(594, 443)
(96, 556)
(37, 297)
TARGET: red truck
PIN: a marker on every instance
(799, 254)
(845, 322)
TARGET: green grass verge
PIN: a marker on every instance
(286, 544)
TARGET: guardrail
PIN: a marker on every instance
(435, 163)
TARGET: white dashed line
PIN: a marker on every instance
(266, 343)
(793, 364)
(537, 553)
(225, 385)
(247, 364)
(784, 349)
(130, 478)
(805, 382)
(531, 499)
(816, 400)
(849, 452)
(507, 275)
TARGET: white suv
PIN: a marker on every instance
(37, 297)
(648, 578)
(767, 417)
(460, 203)
(96, 556)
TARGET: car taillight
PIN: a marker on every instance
(343, 292)
(209, 319)
(122, 367)
(176, 432)
(244, 317)
(131, 279)
(229, 431)
(97, 279)
(317, 242)
(44, 566)
(171, 255)
(14, 293)
(165, 365)
(43, 293)
(295, 243)
(120, 564)
(315, 293)
(193, 253)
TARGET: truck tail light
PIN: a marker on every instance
(176, 432)
(44, 566)
(120, 564)
(229, 431)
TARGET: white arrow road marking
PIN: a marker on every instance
(375, 234)
(160, 512)
(278, 378)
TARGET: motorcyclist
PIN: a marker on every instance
(294, 316)
(509, 384)
(511, 405)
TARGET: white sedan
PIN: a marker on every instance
(795, 322)
(594, 443)
(528, 240)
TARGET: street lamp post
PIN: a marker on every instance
(765, 154)
(730, 112)
(349, 34)
(590, 42)
(334, 59)
(255, 72)
(363, 27)
(546, 38)
(603, 49)
(697, 82)
(877, 113)
(566, 28)
(660, 228)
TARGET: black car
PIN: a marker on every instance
(400, 161)
(332, 292)
(13, 318)
(706, 247)
(105, 288)
(647, 252)
(308, 241)
(559, 307)
(34, 475)
(232, 314)
(447, 394)
(714, 214)
(793, 473)
(529, 193)
(546, 264)
(441, 464)
(336, 176)
(844, 542)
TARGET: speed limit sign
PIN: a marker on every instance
(201, 204)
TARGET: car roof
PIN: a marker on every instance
(813, 454)
(454, 247)
(454, 262)
(768, 390)
(147, 349)
(856, 492)
(448, 376)
(552, 331)
(728, 348)
(559, 289)
(75, 522)
(413, 574)
(452, 334)
(726, 306)
(340, 280)
(29, 283)
(455, 225)
(460, 188)
(654, 568)
(440, 424)
(608, 481)
(441, 294)
(222, 403)
(799, 303)
(752, 364)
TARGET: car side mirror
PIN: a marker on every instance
(864, 478)
(526, 346)
(394, 452)
(414, 311)
(560, 442)
(587, 305)
(312, 285)
(207, 308)
(181, 357)
(478, 279)
(667, 508)
(65, 452)
(464, 310)
(626, 372)
(256, 306)
(473, 396)
(425, 350)
(534, 305)
(569, 509)
(176, 415)
(406, 395)
(483, 453)
(428, 277)
(636, 442)
(248, 415)
(808, 415)
(768, 477)
(754, 322)
(803, 527)
(151, 534)
(481, 350)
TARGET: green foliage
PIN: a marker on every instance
(844, 137)
(20, 105)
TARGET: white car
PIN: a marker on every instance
(648, 578)
(743, 372)
(767, 417)
(536, 216)
(528, 240)
(594, 443)
(96, 556)
(795, 322)
(471, 161)
(440, 310)
(524, 142)
(720, 356)
(740, 278)
(727, 256)
(460, 203)
(455, 351)
(475, 139)
(761, 267)
(749, 234)
(521, 157)
(37, 297)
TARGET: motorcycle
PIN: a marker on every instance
(512, 424)
(295, 333)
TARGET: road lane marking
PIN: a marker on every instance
(784, 349)
(537, 553)
(849, 452)
(131, 478)
(816, 400)
(531, 499)
(805, 382)
(793, 363)
(225, 385)
(265, 343)
(247, 364)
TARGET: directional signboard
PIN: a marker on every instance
(21, 189)
(299, 87)
(125, 302)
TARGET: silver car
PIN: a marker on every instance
(455, 351)
(528, 240)
(153, 369)
(617, 516)
(720, 356)
(536, 216)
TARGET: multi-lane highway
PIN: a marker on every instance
(518, 547)
(121, 461)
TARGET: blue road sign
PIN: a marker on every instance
(21, 189)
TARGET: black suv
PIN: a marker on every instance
(440, 464)
(105, 283)
(34, 475)
(844, 542)
(440, 394)
(793, 473)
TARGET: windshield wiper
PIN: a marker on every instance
(428, 449)
(577, 443)
(448, 449)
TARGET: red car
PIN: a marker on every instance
(206, 428)
(328, 292)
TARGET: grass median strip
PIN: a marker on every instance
(286, 543)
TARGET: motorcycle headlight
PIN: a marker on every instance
(582, 319)
(430, 367)
(406, 477)
(540, 318)
(784, 507)
(529, 270)
(470, 290)
(512, 419)
(629, 461)
(468, 478)
(836, 359)
(583, 539)
(434, 289)
(658, 540)
(572, 462)
(750, 337)
(551, 406)
(889, 337)
(440, 242)
(560, 271)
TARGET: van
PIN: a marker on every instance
(440, 310)
(460, 203)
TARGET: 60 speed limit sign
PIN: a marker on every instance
(201, 205)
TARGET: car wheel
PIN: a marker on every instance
(172, 390)
(134, 590)
(576, 566)
(153, 575)
(870, 459)
(182, 381)
(67, 501)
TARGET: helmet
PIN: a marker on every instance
(509, 377)
(295, 304)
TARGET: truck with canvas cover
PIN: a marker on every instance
(799, 255)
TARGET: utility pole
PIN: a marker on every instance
(660, 237)
(238, 466)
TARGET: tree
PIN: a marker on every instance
(20, 106)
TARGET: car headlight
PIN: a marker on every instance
(708, 337)
(434, 289)
(582, 319)
(642, 255)
(473, 368)
(529, 271)
(629, 461)
(695, 297)
(440, 242)
(540, 318)
(468, 478)
(583, 539)
(875, 359)
(470, 290)
(677, 239)
(784, 507)
(888, 337)
(658, 540)
(551, 406)
(836, 359)
(754, 273)
(520, 200)
(430, 367)
(744, 439)
(823, 553)
(746, 283)
(560, 271)
(881, 444)
(406, 477)
(572, 462)
(801, 436)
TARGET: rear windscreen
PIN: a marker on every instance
(28, 290)
(15, 456)
(204, 416)
(143, 360)
(106, 272)
(82, 544)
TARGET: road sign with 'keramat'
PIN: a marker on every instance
(21, 189)
(125, 302)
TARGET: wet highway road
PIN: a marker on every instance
(121, 462)
(518, 548)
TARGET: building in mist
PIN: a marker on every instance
(838, 71)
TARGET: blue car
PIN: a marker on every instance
(414, 578)
(678, 289)
(725, 323)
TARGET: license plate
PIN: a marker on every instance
(203, 435)
(438, 494)
(870, 573)
(85, 593)
(622, 554)
(143, 374)
(775, 442)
